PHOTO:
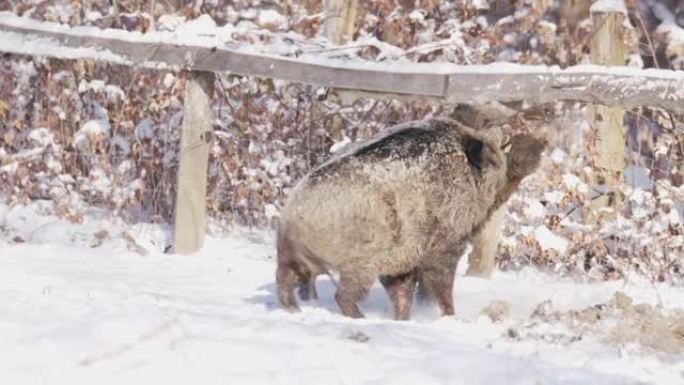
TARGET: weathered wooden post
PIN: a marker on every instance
(607, 48)
(340, 19)
(339, 28)
(191, 209)
(482, 258)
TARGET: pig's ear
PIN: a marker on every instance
(473, 150)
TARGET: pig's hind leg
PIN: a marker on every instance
(307, 290)
(353, 286)
(292, 273)
(400, 289)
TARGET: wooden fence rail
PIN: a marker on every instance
(617, 86)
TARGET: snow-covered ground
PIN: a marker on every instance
(99, 303)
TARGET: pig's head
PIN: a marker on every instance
(524, 154)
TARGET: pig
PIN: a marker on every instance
(400, 205)
(522, 159)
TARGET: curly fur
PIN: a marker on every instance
(405, 199)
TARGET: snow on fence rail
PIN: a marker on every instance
(207, 54)
(619, 86)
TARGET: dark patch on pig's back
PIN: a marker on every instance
(405, 143)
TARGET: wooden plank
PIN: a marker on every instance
(607, 48)
(625, 87)
(159, 55)
(190, 216)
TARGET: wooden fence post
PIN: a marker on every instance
(340, 25)
(482, 258)
(191, 209)
(340, 19)
(607, 48)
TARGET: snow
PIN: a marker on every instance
(481, 4)
(169, 80)
(41, 137)
(170, 22)
(145, 129)
(114, 92)
(94, 85)
(573, 182)
(203, 25)
(91, 129)
(339, 145)
(553, 197)
(557, 156)
(534, 209)
(668, 26)
(550, 241)
(271, 17)
(417, 16)
(609, 6)
(78, 307)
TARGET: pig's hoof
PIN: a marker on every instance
(292, 309)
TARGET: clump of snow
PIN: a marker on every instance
(93, 16)
(549, 241)
(271, 18)
(99, 181)
(557, 156)
(145, 129)
(90, 130)
(24, 70)
(93, 85)
(573, 182)
(203, 25)
(41, 137)
(339, 145)
(417, 16)
(60, 112)
(271, 211)
(170, 22)
(553, 197)
(114, 93)
(609, 6)
(482, 5)
(169, 80)
(534, 209)
(551, 27)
